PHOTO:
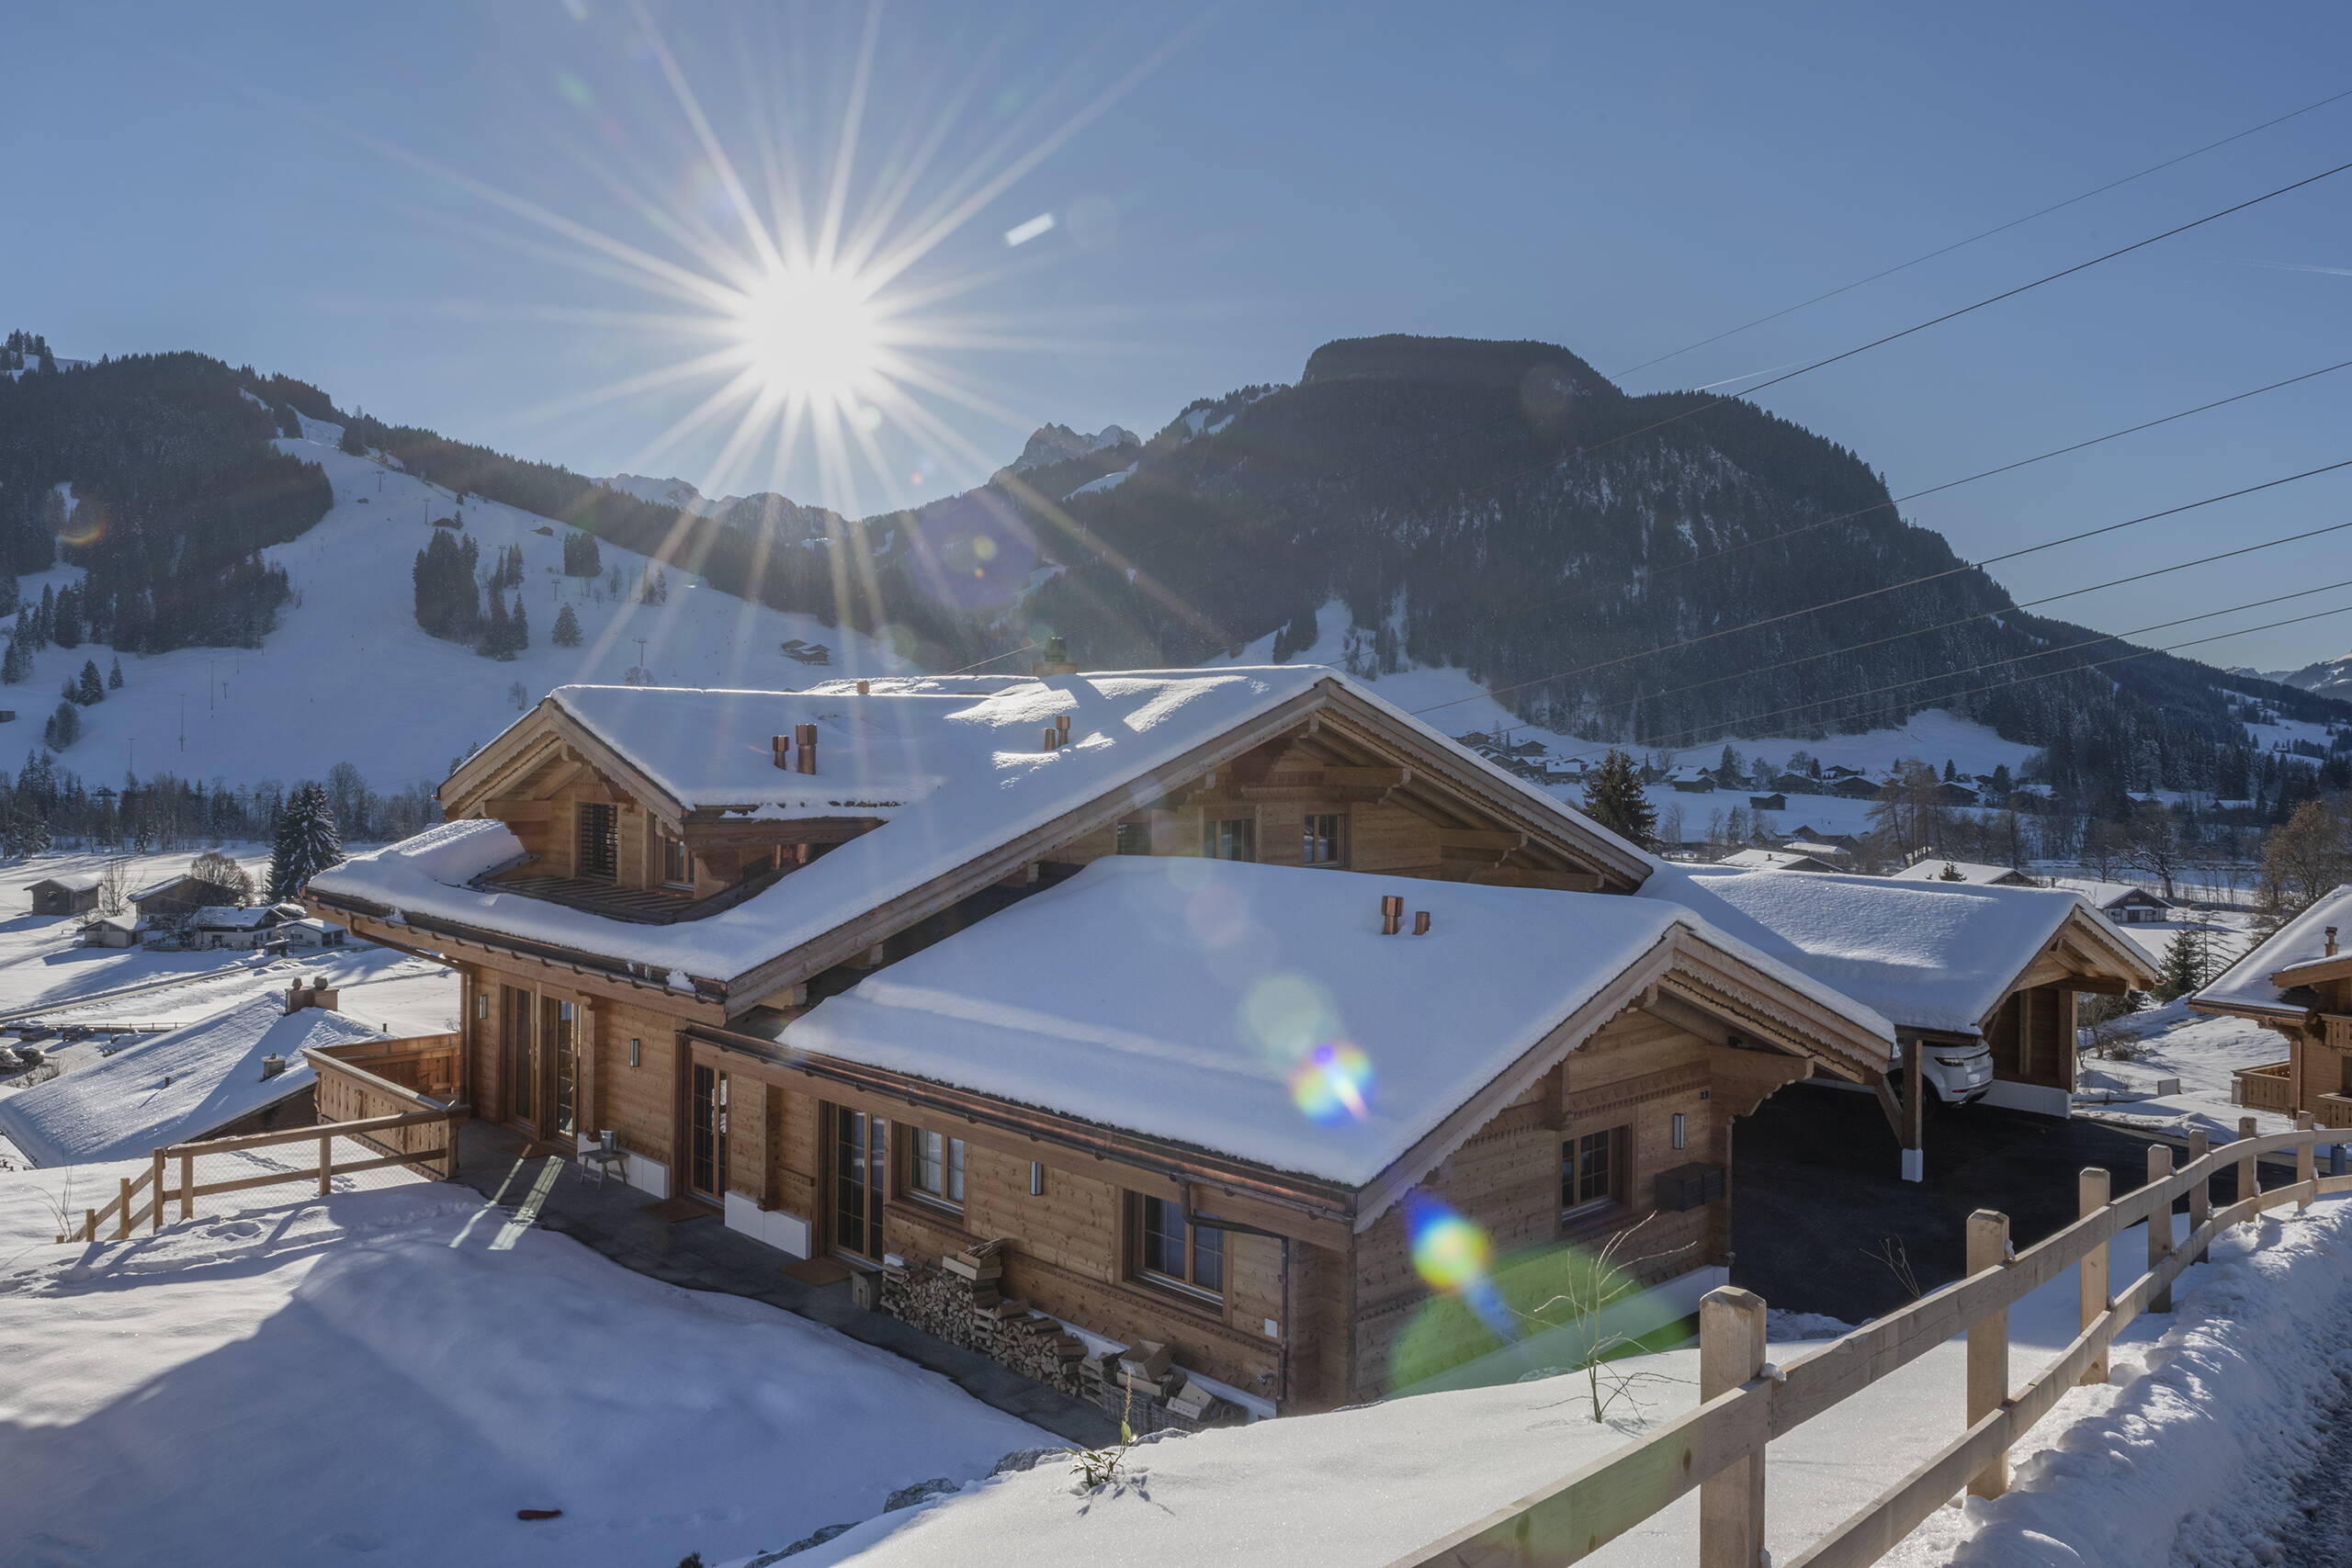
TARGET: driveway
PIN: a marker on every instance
(1817, 1198)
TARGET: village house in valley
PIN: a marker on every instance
(940, 976)
(2299, 982)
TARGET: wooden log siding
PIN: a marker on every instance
(1575, 1516)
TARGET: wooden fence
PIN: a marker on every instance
(2270, 1087)
(1719, 1448)
(142, 1200)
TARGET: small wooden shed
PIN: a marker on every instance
(74, 893)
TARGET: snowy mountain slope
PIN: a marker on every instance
(2328, 677)
(348, 676)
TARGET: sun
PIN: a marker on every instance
(806, 334)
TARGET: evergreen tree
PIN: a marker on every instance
(11, 593)
(63, 728)
(68, 616)
(581, 557)
(306, 842)
(93, 686)
(2184, 967)
(567, 628)
(114, 675)
(352, 444)
(16, 664)
(45, 618)
(518, 629)
(1614, 797)
(495, 633)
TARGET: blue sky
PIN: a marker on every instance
(339, 193)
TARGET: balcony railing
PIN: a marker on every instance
(2270, 1087)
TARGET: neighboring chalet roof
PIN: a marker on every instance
(2253, 984)
(233, 918)
(2108, 894)
(172, 1088)
(1931, 868)
(1936, 956)
(953, 769)
(69, 880)
(1183, 999)
(170, 883)
(1775, 860)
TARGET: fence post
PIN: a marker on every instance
(2249, 1177)
(89, 1225)
(1731, 1502)
(122, 1220)
(2090, 1274)
(449, 1145)
(2306, 1161)
(158, 1209)
(2160, 1223)
(188, 1185)
(1988, 1345)
(2201, 1191)
(326, 1164)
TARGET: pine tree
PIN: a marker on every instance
(93, 686)
(494, 632)
(2184, 967)
(518, 629)
(567, 628)
(16, 664)
(1614, 797)
(63, 728)
(69, 619)
(114, 675)
(306, 842)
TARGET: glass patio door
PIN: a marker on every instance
(707, 1133)
(560, 1033)
(860, 1149)
(519, 1056)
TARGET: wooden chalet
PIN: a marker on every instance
(1956, 964)
(178, 896)
(917, 973)
(2299, 982)
(1930, 867)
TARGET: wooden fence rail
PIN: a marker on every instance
(1726, 1436)
(127, 1209)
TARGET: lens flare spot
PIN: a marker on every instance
(1450, 1252)
(1333, 1084)
(1287, 1016)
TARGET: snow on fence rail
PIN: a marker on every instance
(1718, 1449)
(143, 1198)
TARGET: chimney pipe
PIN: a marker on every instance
(779, 748)
(2330, 941)
(1420, 923)
(272, 1065)
(1053, 739)
(863, 688)
(804, 737)
(1061, 725)
(1392, 913)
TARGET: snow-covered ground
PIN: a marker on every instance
(45, 974)
(348, 676)
(2200, 1053)
(1366, 1486)
(387, 1376)
(2198, 1447)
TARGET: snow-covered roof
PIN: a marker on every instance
(165, 886)
(1811, 847)
(1936, 955)
(2247, 985)
(1931, 868)
(2106, 894)
(229, 918)
(72, 881)
(1769, 860)
(172, 1088)
(953, 766)
(1182, 999)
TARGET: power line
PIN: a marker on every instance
(985, 663)
(1982, 234)
(1906, 331)
(1652, 573)
(1989, 614)
(2027, 679)
(1893, 587)
(1660, 741)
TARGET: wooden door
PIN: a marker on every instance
(519, 1056)
(559, 1043)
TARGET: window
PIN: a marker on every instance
(599, 851)
(1592, 1173)
(677, 861)
(1132, 838)
(935, 1167)
(1234, 837)
(1172, 1251)
(1326, 840)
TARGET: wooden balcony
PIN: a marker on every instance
(370, 1080)
(2270, 1087)
(643, 906)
